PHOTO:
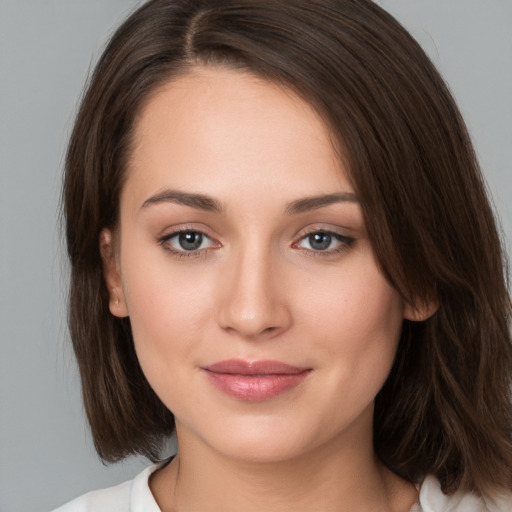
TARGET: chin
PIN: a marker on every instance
(262, 440)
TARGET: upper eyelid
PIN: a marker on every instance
(339, 236)
(339, 231)
(184, 228)
(172, 234)
(301, 234)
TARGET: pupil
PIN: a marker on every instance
(320, 241)
(190, 241)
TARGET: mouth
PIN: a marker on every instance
(256, 380)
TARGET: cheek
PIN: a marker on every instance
(353, 309)
(356, 325)
(168, 312)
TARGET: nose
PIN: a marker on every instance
(254, 304)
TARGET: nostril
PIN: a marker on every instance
(253, 332)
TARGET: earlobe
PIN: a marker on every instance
(420, 312)
(117, 304)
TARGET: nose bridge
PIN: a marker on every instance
(253, 305)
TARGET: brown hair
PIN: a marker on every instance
(445, 408)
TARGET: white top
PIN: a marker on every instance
(135, 496)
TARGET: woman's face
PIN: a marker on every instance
(259, 314)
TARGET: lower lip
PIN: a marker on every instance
(255, 387)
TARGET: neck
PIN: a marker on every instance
(342, 476)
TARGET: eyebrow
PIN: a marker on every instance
(198, 201)
(316, 202)
(207, 203)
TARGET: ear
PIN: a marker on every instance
(420, 312)
(117, 303)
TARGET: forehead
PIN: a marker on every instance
(227, 130)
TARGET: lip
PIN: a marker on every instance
(254, 380)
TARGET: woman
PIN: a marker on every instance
(282, 250)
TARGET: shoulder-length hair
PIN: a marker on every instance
(445, 408)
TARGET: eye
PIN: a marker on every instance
(187, 241)
(324, 241)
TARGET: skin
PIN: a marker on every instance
(256, 289)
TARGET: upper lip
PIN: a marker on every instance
(241, 367)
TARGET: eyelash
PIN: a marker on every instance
(164, 241)
(345, 242)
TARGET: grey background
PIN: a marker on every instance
(46, 49)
